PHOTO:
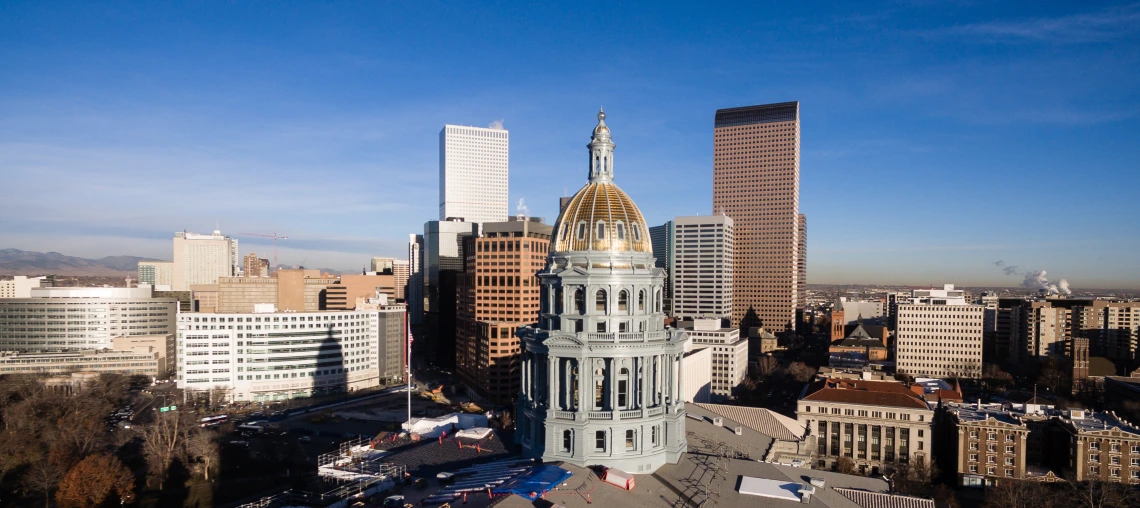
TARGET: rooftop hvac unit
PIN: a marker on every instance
(739, 431)
(718, 421)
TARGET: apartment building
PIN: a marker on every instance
(873, 423)
(940, 335)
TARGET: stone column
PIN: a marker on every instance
(552, 380)
(681, 375)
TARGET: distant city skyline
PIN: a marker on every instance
(937, 139)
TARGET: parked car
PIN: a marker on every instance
(305, 439)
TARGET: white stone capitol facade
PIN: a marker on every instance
(601, 372)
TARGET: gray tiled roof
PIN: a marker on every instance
(764, 421)
(867, 499)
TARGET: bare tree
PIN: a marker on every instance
(163, 441)
(1097, 494)
(1016, 494)
(44, 474)
(801, 372)
(767, 366)
(202, 450)
(845, 465)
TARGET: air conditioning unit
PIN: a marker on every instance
(718, 421)
(740, 431)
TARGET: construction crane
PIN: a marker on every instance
(275, 238)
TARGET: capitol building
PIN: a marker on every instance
(601, 372)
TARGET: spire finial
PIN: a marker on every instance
(601, 114)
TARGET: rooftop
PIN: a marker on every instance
(870, 393)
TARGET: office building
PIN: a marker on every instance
(282, 355)
(498, 293)
(158, 274)
(940, 335)
(202, 259)
(601, 374)
(702, 275)
(873, 423)
(401, 271)
(382, 265)
(442, 251)
(756, 181)
(698, 380)
(165, 346)
(19, 287)
(414, 292)
(348, 288)
(253, 266)
(287, 290)
(801, 263)
(69, 319)
(87, 360)
(729, 354)
(473, 168)
(662, 238)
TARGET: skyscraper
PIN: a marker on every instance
(473, 173)
(702, 267)
(201, 259)
(662, 239)
(756, 181)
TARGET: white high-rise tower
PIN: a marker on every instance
(473, 173)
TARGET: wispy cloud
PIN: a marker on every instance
(1098, 26)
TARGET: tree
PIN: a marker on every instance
(845, 465)
(801, 372)
(44, 474)
(94, 481)
(1096, 494)
(766, 367)
(163, 441)
(944, 497)
(994, 375)
(1016, 494)
(202, 450)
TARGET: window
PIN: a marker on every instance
(567, 440)
(636, 233)
(582, 230)
(565, 232)
(623, 387)
(992, 436)
(973, 434)
(973, 468)
(973, 457)
(1115, 472)
(601, 234)
(653, 436)
(1009, 461)
(619, 230)
(629, 439)
(1009, 472)
(1009, 449)
(600, 440)
(641, 300)
(601, 327)
(623, 301)
(1094, 457)
(1115, 447)
(600, 300)
(579, 300)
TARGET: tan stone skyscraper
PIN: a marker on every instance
(756, 181)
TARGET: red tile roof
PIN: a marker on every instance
(870, 393)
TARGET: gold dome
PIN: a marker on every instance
(601, 217)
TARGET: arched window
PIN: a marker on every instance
(641, 300)
(619, 230)
(579, 301)
(558, 299)
(567, 440)
(600, 301)
(601, 234)
(599, 388)
(623, 387)
(630, 439)
(623, 301)
(582, 230)
(636, 233)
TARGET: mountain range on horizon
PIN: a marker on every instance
(32, 263)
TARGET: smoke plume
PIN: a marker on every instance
(497, 125)
(1036, 279)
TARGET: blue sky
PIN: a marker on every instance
(938, 137)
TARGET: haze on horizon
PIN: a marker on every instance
(937, 139)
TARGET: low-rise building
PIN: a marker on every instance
(729, 354)
(988, 441)
(860, 344)
(1104, 447)
(873, 423)
(100, 361)
(696, 385)
(19, 286)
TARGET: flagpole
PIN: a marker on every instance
(409, 371)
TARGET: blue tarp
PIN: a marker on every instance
(533, 483)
